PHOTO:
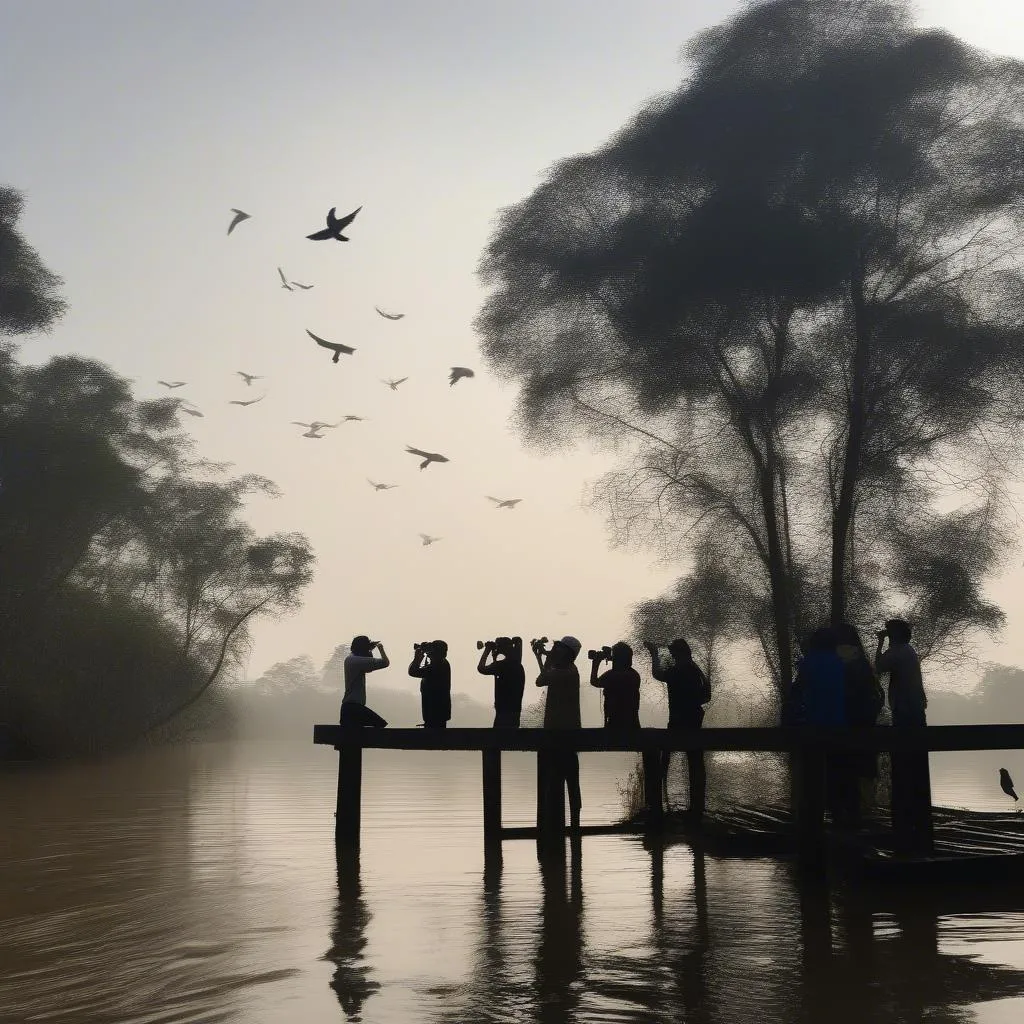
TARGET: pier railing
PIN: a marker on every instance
(809, 747)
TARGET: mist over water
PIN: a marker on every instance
(199, 883)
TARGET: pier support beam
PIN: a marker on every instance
(550, 801)
(809, 778)
(651, 760)
(350, 789)
(492, 798)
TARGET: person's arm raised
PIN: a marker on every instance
(482, 667)
(383, 661)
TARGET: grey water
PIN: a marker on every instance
(200, 884)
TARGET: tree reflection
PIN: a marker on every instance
(351, 982)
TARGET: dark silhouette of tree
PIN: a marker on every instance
(28, 291)
(790, 291)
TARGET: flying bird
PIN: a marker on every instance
(389, 316)
(313, 433)
(428, 540)
(251, 401)
(380, 487)
(173, 383)
(351, 419)
(393, 384)
(248, 377)
(183, 406)
(304, 287)
(428, 457)
(240, 215)
(284, 280)
(315, 425)
(335, 346)
(1006, 784)
(334, 226)
(458, 372)
(504, 502)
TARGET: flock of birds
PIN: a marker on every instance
(314, 429)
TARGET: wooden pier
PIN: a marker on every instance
(807, 746)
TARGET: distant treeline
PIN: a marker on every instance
(128, 579)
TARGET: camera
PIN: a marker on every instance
(425, 646)
(605, 654)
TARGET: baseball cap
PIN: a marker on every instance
(572, 643)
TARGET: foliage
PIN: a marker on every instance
(790, 293)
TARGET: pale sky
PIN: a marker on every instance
(133, 127)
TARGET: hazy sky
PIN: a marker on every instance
(134, 126)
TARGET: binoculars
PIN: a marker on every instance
(605, 654)
(481, 644)
(425, 646)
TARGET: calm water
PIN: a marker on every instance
(200, 884)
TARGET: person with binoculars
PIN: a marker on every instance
(509, 677)
(688, 691)
(430, 665)
(621, 685)
(358, 663)
(559, 674)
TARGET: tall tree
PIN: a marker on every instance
(795, 284)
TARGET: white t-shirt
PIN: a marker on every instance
(356, 667)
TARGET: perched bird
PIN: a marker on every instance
(352, 419)
(173, 383)
(304, 287)
(428, 540)
(334, 226)
(315, 425)
(284, 280)
(1006, 784)
(504, 502)
(458, 372)
(248, 377)
(389, 316)
(428, 457)
(240, 215)
(380, 487)
(251, 401)
(393, 384)
(335, 346)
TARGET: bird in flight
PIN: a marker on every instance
(428, 540)
(352, 419)
(248, 377)
(251, 401)
(173, 383)
(304, 287)
(284, 280)
(334, 226)
(389, 316)
(458, 372)
(393, 384)
(1006, 784)
(335, 346)
(240, 215)
(315, 425)
(183, 406)
(428, 457)
(313, 433)
(504, 502)
(380, 487)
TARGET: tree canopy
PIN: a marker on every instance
(792, 290)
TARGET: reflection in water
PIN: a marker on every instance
(351, 982)
(180, 886)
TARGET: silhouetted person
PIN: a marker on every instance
(688, 690)
(621, 686)
(559, 674)
(356, 666)
(430, 665)
(509, 678)
(911, 779)
(1006, 784)
(864, 701)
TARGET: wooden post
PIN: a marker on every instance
(350, 786)
(492, 797)
(912, 802)
(809, 763)
(652, 789)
